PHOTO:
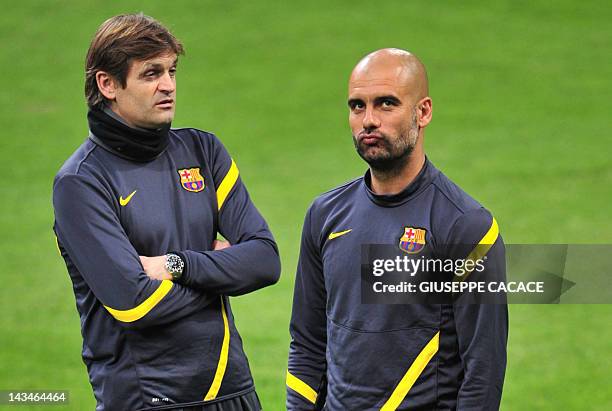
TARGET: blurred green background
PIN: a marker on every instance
(521, 93)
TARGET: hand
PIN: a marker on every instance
(155, 267)
(220, 245)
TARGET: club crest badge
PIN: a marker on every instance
(191, 179)
(413, 240)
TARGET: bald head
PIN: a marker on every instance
(390, 64)
(389, 107)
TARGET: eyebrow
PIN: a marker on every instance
(157, 66)
(377, 100)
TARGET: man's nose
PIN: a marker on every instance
(167, 83)
(370, 119)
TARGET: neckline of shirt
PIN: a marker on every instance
(426, 175)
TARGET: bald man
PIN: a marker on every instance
(352, 351)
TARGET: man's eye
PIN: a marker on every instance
(172, 72)
(387, 103)
(357, 106)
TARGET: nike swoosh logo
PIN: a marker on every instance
(125, 201)
(339, 233)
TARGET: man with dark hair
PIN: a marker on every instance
(138, 207)
(349, 355)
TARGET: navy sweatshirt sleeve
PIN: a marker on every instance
(252, 262)
(482, 329)
(306, 368)
(92, 238)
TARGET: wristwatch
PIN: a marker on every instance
(174, 265)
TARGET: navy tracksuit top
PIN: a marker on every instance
(149, 343)
(346, 355)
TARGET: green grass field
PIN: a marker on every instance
(521, 93)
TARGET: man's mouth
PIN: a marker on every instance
(370, 139)
(166, 103)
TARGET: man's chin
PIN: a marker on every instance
(382, 161)
(372, 154)
(166, 118)
(160, 122)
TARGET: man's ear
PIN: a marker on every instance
(424, 111)
(107, 85)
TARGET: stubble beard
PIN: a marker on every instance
(391, 156)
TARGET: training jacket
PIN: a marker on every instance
(347, 355)
(149, 343)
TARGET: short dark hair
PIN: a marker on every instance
(119, 41)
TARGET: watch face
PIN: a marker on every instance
(174, 265)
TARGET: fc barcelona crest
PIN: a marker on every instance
(413, 240)
(191, 179)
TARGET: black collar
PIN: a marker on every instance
(427, 174)
(136, 144)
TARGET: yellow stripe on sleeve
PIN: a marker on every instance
(491, 236)
(482, 248)
(412, 374)
(301, 387)
(136, 313)
(222, 364)
(227, 184)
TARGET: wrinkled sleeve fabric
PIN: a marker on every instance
(482, 327)
(307, 364)
(93, 240)
(252, 262)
